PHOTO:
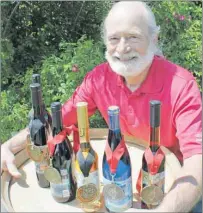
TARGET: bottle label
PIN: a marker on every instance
(61, 190)
(92, 178)
(122, 204)
(41, 166)
(157, 179)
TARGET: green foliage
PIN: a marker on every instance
(181, 34)
(6, 59)
(58, 83)
(35, 29)
(13, 114)
(58, 79)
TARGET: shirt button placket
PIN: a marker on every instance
(130, 115)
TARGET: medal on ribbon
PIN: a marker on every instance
(153, 193)
(51, 173)
(112, 191)
(36, 153)
(88, 192)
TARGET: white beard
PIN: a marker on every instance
(131, 67)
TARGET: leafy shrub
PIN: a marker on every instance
(58, 81)
(181, 34)
(57, 76)
(35, 29)
(13, 114)
(7, 52)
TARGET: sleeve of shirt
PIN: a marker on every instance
(82, 93)
(188, 120)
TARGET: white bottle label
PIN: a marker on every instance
(66, 193)
(61, 190)
(41, 166)
(92, 178)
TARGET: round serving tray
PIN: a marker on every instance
(24, 194)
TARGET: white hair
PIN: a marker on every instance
(148, 15)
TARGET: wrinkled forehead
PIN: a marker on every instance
(121, 21)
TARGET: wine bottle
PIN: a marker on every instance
(153, 168)
(86, 164)
(39, 133)
(118, 195)
(37, 79)
(62, 160)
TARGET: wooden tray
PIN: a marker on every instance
(24, 195)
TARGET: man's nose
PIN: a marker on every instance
(123, 46)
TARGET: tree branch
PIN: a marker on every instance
(12, 13)
(78, 15)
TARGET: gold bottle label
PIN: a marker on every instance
(83, 122)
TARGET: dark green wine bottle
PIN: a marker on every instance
(154, 145)
(39, 131)
(62, 161)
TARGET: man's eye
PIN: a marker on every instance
(133, 37)
(113, 39)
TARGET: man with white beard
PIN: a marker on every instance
(134, 74)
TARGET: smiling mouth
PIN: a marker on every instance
(128, 59)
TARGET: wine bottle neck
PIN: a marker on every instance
(155, 109)
(114, 124)
(154, 138)
(37, 103)
(63, 149)
(84, 135)
(57, 122)
(83, 123)
(114, 137)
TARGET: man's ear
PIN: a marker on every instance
(155, 38)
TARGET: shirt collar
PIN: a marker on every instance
(154, 80)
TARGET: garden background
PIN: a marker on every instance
(62, 41)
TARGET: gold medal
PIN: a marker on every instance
(36, 153)
(33, 152)
(152, 195)
(113, 192)
(93, 206)
(52, 174)
(87, 193)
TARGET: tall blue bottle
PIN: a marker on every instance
(116, 173)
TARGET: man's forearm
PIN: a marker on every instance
(17, 142)
(187, 188)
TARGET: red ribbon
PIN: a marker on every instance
(52, 141)
(114, 157)
(153, 163)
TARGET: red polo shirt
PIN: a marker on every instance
(175, 87)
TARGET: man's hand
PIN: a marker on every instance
(187, 183)
(8, 149)
(8, 162)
